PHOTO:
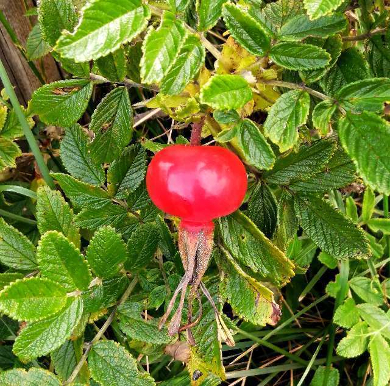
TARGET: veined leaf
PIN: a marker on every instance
(16, 250)
(35, 376)
(331, 374)
(60, 261)
(329, 229)
(318, 8)
(245, 30)
(36, 47)
(105, 253)
(133, 64)
(43, 337)
(366, 139)
(9, 151)
(105, 25)
(32, 299)
(379, 224)
(347, 315)
(62, 103)
(226, 92)
(355, 343)
(322, 116)
(76, 158)
(161, 47)
(8, 278)
(377, 319)
(112, 365)
(299, 56)
(208, 11)
(378, 55)
(380, 359)
(368, 204)
(112, 121)
(367, 289)
(285, 117)
(226, 117)
(113, 66)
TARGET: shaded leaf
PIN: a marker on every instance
(367, 289)
(208, 11)
(113, 66)
(9, 151)
(322, 116)
(36, 47)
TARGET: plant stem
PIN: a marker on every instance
(101, 332)
(367, 35)
(196, 133)
(16, 217)
(26, 128)
(312, 283)
(127, 82)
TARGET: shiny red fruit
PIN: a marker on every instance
(196, 183)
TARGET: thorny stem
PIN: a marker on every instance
(367, 35)
(196, 133)
(101, 332)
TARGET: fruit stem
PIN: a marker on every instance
(196, 133)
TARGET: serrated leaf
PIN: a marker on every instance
(347, 315)
(69, 65)
(367, 289)
(226, 92)
(12, 128)
(16, 250)
(112, 122)
(54, 214)
(3, 116)
(185, 67)
(62, 103)
(366, 139)
(32, 299)
(329, 229)
(318, 8)
(208, 11)
(7, 278)
(322, 116)
(117, 21)
(142, 246)
(161, 47)
(299, 56)
(331, 374)
(380, 359)
(254, 147)
(166, 242)
(285, 117)
(105, 253)
(262, 209)
(378, 55)
(76, 158)
(248, 245)
(365, 95)
(112, 365)
(55, 16)
(127, 172)
(60, 261)
(43, 337)
(300, 166)
(133, 63)
(9, 151)
(226, 117)
(355, 343)
(300, 27)
(377, 319)
(113, 66)
(36, 47)
(246, 30)
(35, 376)
(81, 194)
(139, 199)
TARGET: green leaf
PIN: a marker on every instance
(347, 315)
(112, 365)
(112, 122)
(36, 47)
(322, 116)
(379, 224)
(55, 16)
(318, 8)
(185, 67)
(69, 65)
(60, 261)
(302, 165)
(76, 158)
(81, 194)
(330, 374)
(117, 21)
(368, 204)
(300, 27)
(355, 343)
(113, 66)
(328, 260)
(16, 250)
(367, 290)
(32, 299)
(35, 376)
(379, 56)
(351, 209)
(127, 172)
(226, 117)
(226, 92)
(365, 95)
(246, 30)
(285, 117)
(228, 134)
(380, 359)
(208, 11)
(7, 278)
(299, 56)
(166, 242)
(329, 229)
(262, 209)
(248, 245)
(43, 337)
(337, 173)
(54, 214)
(377, 319)
(142, 246)
(161, 47)
(9, 151)
(105, 253)
(62, 103)
(350, 67)
(133, 63)
(255, 149)
(366, 139)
